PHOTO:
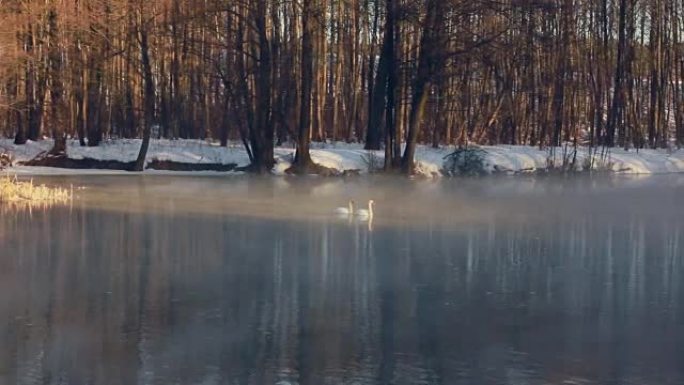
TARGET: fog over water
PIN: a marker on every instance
(215, 280)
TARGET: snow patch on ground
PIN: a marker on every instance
(341, 156)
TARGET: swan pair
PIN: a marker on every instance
(362, 213)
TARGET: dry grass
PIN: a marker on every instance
(14, 191)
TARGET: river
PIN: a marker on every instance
(238, 280)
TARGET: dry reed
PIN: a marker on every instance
(14, 191)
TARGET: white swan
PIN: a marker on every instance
(366, 214)
(349, 210)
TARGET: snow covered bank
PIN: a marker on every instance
(341, 156)
(520, 158)
(344, 156)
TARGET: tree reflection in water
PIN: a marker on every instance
(103, 297)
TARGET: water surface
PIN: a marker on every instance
(164, 280)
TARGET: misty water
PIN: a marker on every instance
(216, 280)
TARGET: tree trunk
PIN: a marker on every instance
(149, 95)
(389, 49)
(377, 87)
(617, 110)
(56, 86)
(302, 162)
(429, 66)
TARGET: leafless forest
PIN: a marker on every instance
(382, 72)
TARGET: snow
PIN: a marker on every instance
(341, 156)
(126, 150)
(520, 158)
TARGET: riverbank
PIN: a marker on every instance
(186, 155)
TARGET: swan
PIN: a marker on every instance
(349, 210)
(366, 214)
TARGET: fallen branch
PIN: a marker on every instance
(167, 165)
(61, 161)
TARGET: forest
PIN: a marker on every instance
(391, 74)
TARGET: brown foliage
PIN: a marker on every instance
(264, 71)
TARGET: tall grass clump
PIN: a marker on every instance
(14, 191)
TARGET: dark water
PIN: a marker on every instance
(522, 282)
